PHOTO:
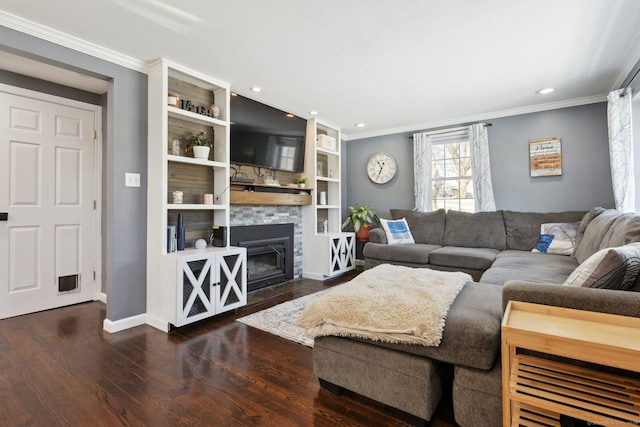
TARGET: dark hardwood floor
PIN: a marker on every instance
(59, 368)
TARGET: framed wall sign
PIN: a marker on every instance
(545, 157)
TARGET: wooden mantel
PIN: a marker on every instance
(245, 194)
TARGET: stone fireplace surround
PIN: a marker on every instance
(273, 214)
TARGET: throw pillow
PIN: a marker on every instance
(557, 238)
(397, 231)
(610, 268)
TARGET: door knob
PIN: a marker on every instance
(4, 216)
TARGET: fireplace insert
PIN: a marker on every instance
(269, 253)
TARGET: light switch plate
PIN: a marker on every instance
(132, 180)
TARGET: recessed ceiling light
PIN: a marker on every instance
(234, 94)
(256, 89)
(290, 115)
(313, 112)
(360, 125)
(545, 91)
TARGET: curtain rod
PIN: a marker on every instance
(451, 130)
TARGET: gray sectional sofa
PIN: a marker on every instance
(495, 248)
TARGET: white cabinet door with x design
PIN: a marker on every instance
(210, 283)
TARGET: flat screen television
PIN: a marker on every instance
(266, 137)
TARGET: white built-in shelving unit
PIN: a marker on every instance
(327, 253)
(186, 286)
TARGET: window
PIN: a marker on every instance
(451, 173)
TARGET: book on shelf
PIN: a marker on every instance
(171, 238)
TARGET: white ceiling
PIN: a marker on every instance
(395, 65)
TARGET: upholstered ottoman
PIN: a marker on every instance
(477, 396)
(410, 383)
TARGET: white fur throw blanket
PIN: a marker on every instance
(387, 303)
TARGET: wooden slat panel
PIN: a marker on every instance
(193, 180)
(547, 388)
(182, 130)
(197, 225)
(577, 382)
(197, 95)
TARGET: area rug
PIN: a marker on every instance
(280, 320)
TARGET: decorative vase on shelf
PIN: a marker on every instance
(215, 111)
(180, 233)
(201, 152)
(175, 147)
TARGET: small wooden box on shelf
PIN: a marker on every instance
(537, 390)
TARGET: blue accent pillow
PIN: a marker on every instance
(397, 231)
(544, 242)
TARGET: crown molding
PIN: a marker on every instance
(54, 36)
(480, 117)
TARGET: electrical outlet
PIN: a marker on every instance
(132, 180)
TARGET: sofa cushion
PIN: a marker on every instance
(523, 228)
(397, 231)
(475, 230)
(625, 229)
(584, 223)
(453, 256)
(471, 335)
(610, 268)
(518, 259)
(376, 235)
(426, 227)
(417, 253)
(530, 266)
(594, 234)
(499, 275)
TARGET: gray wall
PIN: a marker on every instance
(585, 182)
(124, 213)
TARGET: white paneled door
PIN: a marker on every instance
(47, 237)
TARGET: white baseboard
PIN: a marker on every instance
(122, 324)
(314, 276)
(102, 297)
(157, 323)
(359, 262)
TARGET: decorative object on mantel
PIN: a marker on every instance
(200, 144)
(545, 157)
(201, 244)
(362, 220)
(302, 182)
(180, 233)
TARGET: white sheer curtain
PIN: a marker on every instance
(621, 149)
(481, 168)
(422, 171)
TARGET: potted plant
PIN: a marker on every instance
(302, 182)
(200, 144)
(361, 219)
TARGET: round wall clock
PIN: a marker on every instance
(381, 168)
